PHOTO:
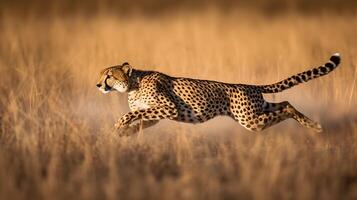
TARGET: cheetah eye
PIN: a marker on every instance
(106, 80)
(110, 77)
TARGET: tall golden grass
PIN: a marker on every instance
(56, 137)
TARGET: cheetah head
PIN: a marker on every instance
(115, 78)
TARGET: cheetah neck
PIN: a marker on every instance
(135, 78)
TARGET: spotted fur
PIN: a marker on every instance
(153, 96)
(303, 76)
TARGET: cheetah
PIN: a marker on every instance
(153, 96)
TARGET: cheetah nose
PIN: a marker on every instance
(99, 85)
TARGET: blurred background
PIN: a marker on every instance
(160, 7)
(56, 136)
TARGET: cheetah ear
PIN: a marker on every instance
(127, 69)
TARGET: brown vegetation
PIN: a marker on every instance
(56, 137)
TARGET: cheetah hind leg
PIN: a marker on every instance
(289, 111)
(305, 121)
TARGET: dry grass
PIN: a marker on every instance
(56, 140)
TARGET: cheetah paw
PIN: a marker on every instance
(120, 126)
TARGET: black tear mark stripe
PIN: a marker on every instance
(305, 76)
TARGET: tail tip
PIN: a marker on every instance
(336, 58)
(337, 54)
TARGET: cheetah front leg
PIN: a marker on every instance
(142, 125)
(149, 114)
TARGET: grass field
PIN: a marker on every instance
(56, 136)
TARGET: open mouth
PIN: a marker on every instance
(104, 90)
(107, 88)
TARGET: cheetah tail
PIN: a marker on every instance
(303, 76)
